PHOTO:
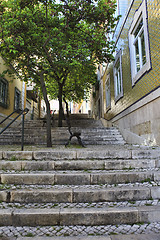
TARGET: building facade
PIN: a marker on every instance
(129, 87)
(14, 95)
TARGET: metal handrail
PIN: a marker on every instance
(16, 111)
(21, 112)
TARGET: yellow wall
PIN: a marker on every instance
(151, 80)
(12, 83)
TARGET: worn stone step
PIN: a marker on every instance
(44, 165)
(64, 130)
(79, 177)
(79, 195)
(59, 140)
(149, 236)
(86, 217)
(90, 152)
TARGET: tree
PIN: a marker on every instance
(77, 85)
(45, 41)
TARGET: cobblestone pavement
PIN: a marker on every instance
(146, 183)
(156, 202)
(140, 228)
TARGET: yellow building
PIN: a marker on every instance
(14, 95)
(129, 88)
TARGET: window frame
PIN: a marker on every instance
(108, 86)
(118, 93)
(3, 102)
(140, 14)
(17, 91)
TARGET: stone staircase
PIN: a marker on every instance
(98, 192)
(92, 132)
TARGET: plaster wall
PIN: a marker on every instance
(141, 119)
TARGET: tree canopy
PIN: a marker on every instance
(53, 43)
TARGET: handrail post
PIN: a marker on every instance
(25, 111)
(22, 142)
(22, 112)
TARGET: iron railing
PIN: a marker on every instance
(20, 112)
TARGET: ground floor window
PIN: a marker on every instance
(3, 92)
(17, 99)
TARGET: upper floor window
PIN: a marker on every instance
(108, 93)
(139, 44)
(17, 99)
(3, 92)
(117, 71)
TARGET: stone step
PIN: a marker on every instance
(81, 195)
(90, 132)
(63, 129)
(79, 177)
(83, 124)
(60, 137)
(149, 236)
(42, 142)
(79, 188)
(82, 216)
(89, 153)
(45, 165)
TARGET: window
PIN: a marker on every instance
(108, 93)
(3, 92)
(17, 99)
(139, 44)
(117, 71)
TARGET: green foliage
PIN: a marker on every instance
(56, 37)
(62, 42)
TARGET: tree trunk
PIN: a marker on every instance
(60, 106)
(49, 138)
(67, 117)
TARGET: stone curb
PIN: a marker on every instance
(77, 164)
(17, 155)
(117, 237)
(87, 217)
(75, 154)
(80, 195)
(78, 178)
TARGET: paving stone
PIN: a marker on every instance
(3, 196)
(17, 155)
(28, 196)
(137, 237)
(103, 154)
(10, 165)
(54, 155)
(145, 153)
(27, 178)
(35, 217)
(71, 178)
(79, 165)
(5, 217)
